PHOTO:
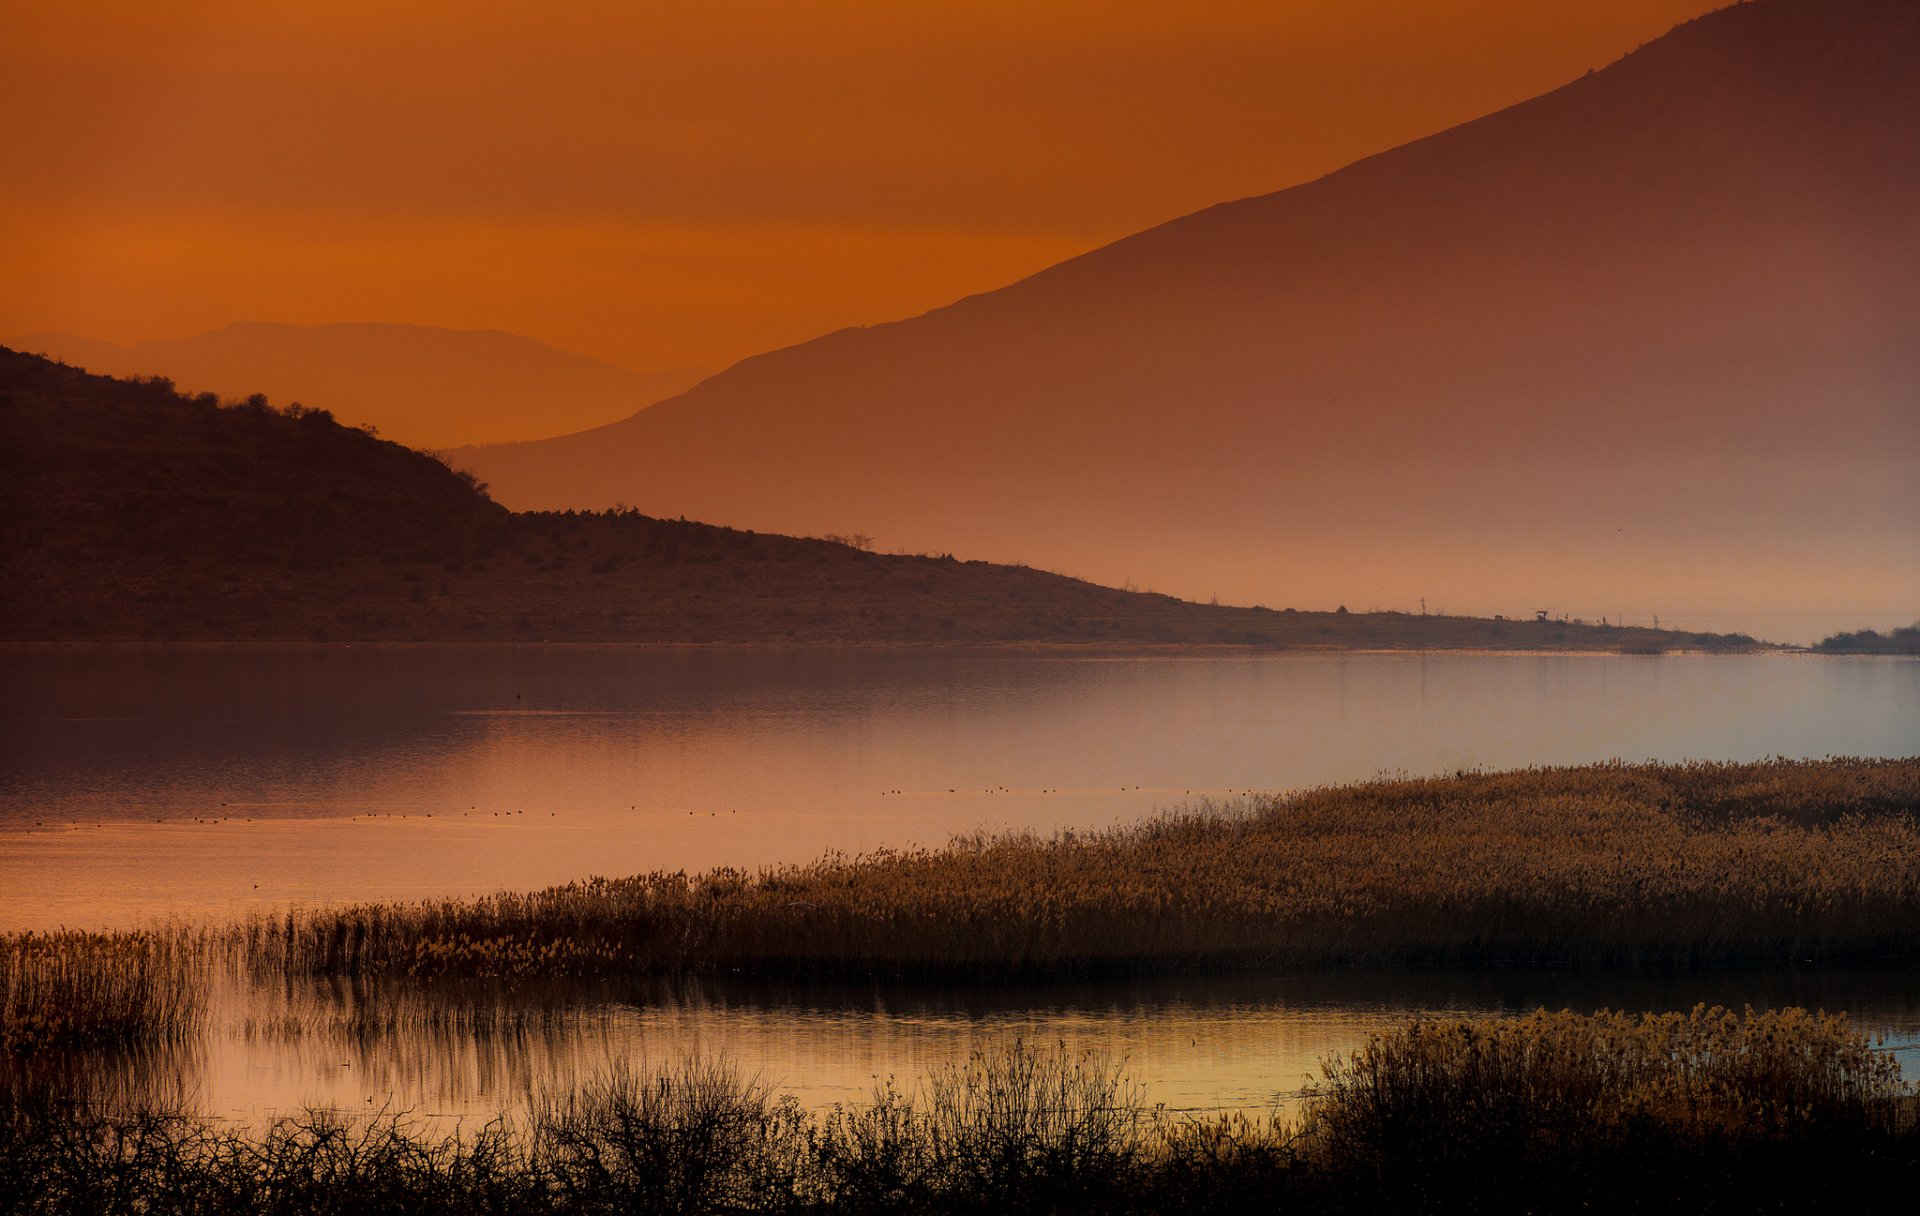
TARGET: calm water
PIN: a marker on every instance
(137, 785)
(1196, 1044)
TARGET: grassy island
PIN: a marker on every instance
(1603, 865)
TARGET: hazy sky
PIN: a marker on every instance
(674, 183)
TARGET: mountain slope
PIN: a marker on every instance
(130, 512)
(1655, 334)
(418, 384)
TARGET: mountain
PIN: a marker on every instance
(417, 384)
(130, 512)
(1652, 339)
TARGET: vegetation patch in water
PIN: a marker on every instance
(73, 989)
(1606, 864)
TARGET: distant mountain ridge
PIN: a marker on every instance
(421, 385)
(1656, 332)
(129, 512)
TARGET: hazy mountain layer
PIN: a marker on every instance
(1651, 340)
(417, 384)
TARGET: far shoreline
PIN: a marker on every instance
(128, 645)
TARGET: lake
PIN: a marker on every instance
(212, 783)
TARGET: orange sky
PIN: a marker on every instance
(665, 184)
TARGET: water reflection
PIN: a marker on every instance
(467, 1052)
(135, 784)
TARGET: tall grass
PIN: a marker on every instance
(1776, 861)
(1697, 1112)
(1561, 1080)
(1782, 860)
(1779, 1111)
(1008, 1128)
(691, 1138)
(73, 989)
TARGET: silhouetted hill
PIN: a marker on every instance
(1904, 640)
(418, 384)
(130, 512)
(1656, 333)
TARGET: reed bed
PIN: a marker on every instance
(72, 989)
(1604, 864)
(1707, 1111)
(1556, 1085)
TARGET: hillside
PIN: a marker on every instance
(1648, 339)
(1904, 640)
(419, 385)
(129, 512)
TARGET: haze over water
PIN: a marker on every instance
(215, 783)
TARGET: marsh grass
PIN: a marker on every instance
(1555, 1084)
(1706, 1111)
(1018, 1126)
(1781, 861)
(1604, 864)
(113, 990)
(694, 1137)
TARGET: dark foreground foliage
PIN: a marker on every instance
(1707, 1112)
(1781, 861)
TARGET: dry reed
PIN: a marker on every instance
(1617, 864)
(74, 989)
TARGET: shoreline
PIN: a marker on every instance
(1063, 648)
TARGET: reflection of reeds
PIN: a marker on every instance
(154, 1077)
(367, 1008)
(1781, 860)
(1554, 1112)
(72, 989)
